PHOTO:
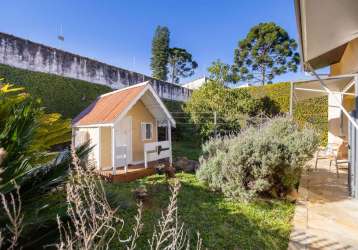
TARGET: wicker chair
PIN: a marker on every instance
(336, 153)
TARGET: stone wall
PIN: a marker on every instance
(25, 54)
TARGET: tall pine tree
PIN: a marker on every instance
(266, 52)
(181, 64)
(160, 53)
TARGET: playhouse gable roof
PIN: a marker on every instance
(107, 108)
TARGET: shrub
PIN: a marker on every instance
(184, 130)
(232, 107)
(69, 97)
(59, 94)
(258, 161)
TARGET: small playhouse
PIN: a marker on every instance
(129, 130)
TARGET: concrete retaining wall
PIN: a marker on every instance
(25, 54)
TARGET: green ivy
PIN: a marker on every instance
(69, 96)
(312, 112)
(59, 94)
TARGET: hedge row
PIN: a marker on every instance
(69, 96)
(312, 111)
(58, 94)
(64, 95)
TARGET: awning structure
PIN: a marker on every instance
(343, 85)
(320, 22)
(312, 88)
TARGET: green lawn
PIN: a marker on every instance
(223, 224)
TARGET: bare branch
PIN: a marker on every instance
(13, 210)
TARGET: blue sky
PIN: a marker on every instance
(119, 32)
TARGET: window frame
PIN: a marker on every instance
(144, 136)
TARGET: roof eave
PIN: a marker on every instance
(299, 29)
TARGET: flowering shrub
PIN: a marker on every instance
(266, 160)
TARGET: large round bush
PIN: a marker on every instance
(266, 160)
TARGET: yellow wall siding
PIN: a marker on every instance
(349, 105)
(349, 61)
(139, 114)
(105, 144)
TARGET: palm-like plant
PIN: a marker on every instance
(27, 138)
(27, 134)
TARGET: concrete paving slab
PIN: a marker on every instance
(325, 216)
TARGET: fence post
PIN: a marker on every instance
(215, 123)
(291, 98)
(170, 142)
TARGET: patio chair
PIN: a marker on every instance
(336, 153)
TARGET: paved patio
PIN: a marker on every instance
(325, 217)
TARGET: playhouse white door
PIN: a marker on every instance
(124, 138)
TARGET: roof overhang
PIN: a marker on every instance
(312, 88)
(155, 106)
(151, 101)
(325, 27)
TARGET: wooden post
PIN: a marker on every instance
(215, 124)
(73, 137)
(99, 148)
(113, 151)
(145, 159)
(354, 151)
(126, 160)
(291, 98)
(170, 142)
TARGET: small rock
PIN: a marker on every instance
(169, 172)
(186, 165)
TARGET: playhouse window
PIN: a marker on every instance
(147, 131)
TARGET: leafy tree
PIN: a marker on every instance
(181, 64)
(233, 108)
(267, 51)
(222, 73)
(160, 53)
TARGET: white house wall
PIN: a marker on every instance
(91, 134)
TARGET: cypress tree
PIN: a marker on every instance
(160, 53)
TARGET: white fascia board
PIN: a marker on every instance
(323, 91)
(167, 113)
(94, 125)
(138, 97)
(131, 104)
(126, 88)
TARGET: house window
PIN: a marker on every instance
(147, 131)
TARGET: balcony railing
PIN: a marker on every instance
(157, 150)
